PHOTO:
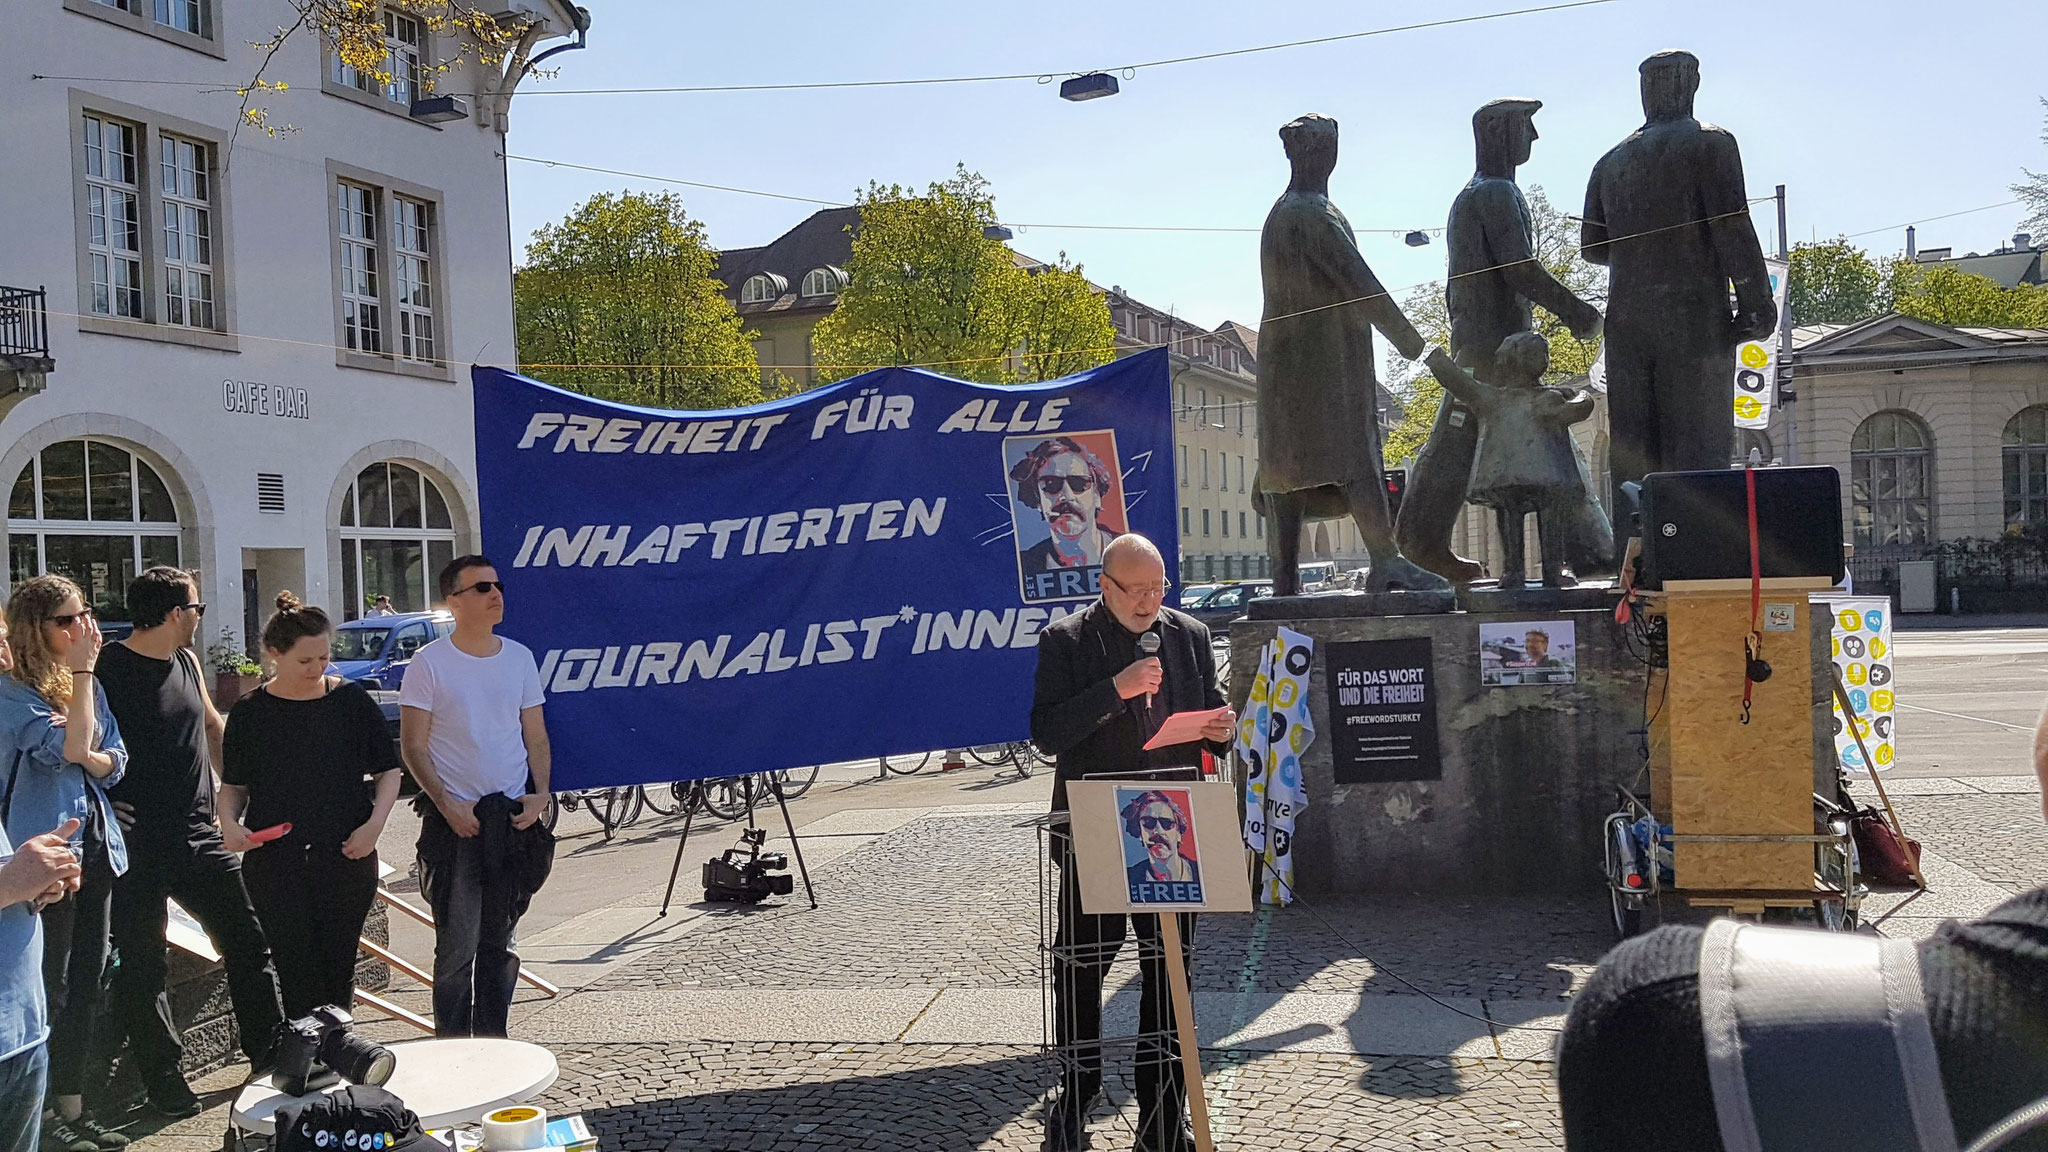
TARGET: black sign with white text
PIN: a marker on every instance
(1383, 711)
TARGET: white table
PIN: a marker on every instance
(444, 1082)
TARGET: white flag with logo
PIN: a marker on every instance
(1271, 735)
(1756, 361)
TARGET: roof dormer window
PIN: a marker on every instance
(763, 288)
(826, 281)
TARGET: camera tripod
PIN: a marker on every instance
(774, 784)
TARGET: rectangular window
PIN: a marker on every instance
(184, 15)
(1240, 523)
(1240, 473)
(1183, 465)
(412, 264)
(1225, 514)
(113, 208)
(1202, 405)
(1205, 467)
(362, 317)
(1262, 527)
(404, 46)
(186, 185)
(1205, 521)
(1240, 417)
(1180, 403)
(1184, 514)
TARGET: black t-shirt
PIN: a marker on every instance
(304, 762)
(1633, 1053)
(161, 708)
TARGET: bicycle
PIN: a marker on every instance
(1021, 754)
(613, 808)
(905, 763)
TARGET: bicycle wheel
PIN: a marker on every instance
(729, 798)
(1027, 759)
(663, 799)
(616, 807)
(796, 781)
(906, 763)
(992, 755)
(552, 814)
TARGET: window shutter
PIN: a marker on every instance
(269, 492)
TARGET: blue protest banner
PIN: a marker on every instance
(855, 571)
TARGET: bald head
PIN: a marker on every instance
(1131, 555)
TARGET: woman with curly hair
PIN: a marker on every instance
(301, 752)
(64, 752)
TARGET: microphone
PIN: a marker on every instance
(1148, 645)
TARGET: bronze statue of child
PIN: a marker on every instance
(1526, 461)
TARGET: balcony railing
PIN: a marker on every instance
(24, 322)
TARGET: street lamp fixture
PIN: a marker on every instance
(1093, 86)
(1417, 238)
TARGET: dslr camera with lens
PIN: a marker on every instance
(733, 880)
(319, 1048)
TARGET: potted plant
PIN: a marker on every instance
(234, 673)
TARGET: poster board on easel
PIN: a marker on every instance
(1162, 847)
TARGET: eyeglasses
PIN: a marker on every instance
(195, 609)
(1147, 592)
(1051, 485)
(69, 619)
(482, 586)
(1157, 823)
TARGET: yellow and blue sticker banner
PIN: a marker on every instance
(858, 570)
(1863, 655)
(1273, 731)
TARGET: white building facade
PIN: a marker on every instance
(257, 345)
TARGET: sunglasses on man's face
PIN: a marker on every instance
(1157, 823)
(195, 609)
(69, 619)
(483, 586)
(1051, 485)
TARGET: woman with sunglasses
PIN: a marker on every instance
(297, 754)
(64, 752)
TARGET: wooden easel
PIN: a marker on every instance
(1184, 1022)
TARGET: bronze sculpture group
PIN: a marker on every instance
(1666, 212)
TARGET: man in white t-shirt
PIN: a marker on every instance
(471, 730)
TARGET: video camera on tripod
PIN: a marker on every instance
(729, 879)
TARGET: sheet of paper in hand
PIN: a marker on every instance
(1183, 728)
(1158, 846)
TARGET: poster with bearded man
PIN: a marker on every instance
(1067, 504)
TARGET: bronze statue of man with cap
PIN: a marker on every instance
(1495, 277)
(1668, 213)
(1319, 435)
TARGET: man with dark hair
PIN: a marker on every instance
(472, 734)
(158, 695)
(1068, 485)
(1157, 821)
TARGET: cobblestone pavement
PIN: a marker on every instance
(2003, 838)
(806, 1097)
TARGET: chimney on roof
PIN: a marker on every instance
(1912, 246)
(2023, 241)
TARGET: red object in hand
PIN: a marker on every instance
(266, 835)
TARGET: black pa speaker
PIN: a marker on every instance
(1696, 524)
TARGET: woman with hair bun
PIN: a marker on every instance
(310, 751)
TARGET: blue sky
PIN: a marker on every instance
(1873, 113)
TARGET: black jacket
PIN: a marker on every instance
(1077, 716)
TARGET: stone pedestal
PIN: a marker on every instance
(1528, 772)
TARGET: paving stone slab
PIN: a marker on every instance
(2024, 784)
(719, 1014)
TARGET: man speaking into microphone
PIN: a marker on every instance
(1108, 677)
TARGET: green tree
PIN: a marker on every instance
(930, 287)
(1946, 295)
(1419, 394)
(2033, 191)
(617, 300)
(1834, 282)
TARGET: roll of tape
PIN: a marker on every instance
(515, 1129)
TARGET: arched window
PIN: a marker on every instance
(2026, 466)
(396, 534)
(93, 511)
(762, 288)
(823, 281)
(1891, 458)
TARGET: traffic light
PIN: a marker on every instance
(1397, 486)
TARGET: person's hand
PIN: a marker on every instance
(1141, 677)
(1410, 344)
(44, 865)
(1588, 325)
(1222, 729)
(461, 817)
(531, 806)
(124, 814)
(362, 841)
(86, 652)
(235, 837)
(1757, 322)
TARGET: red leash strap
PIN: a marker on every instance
(1752, 644)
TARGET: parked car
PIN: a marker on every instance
(375, 650)
(1229, 603)
(1194, 594)
(1316, 574)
